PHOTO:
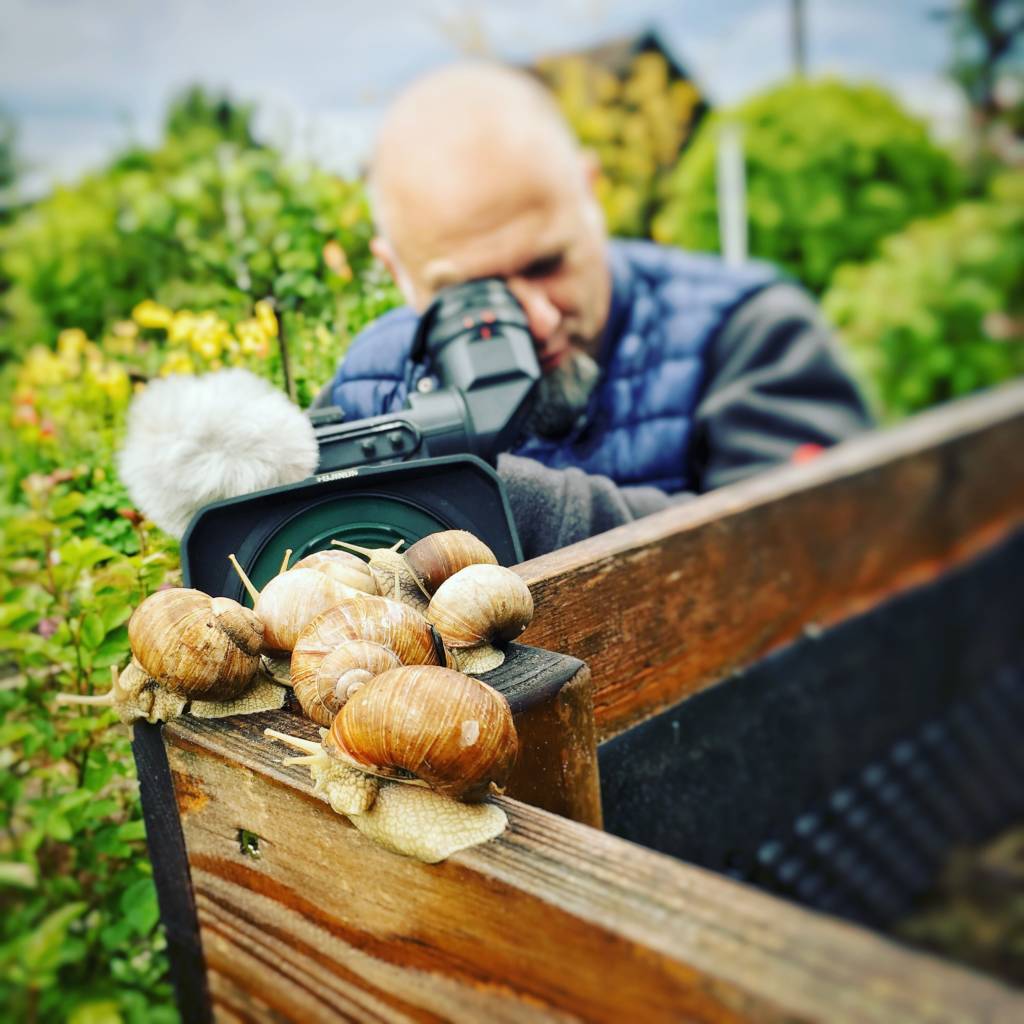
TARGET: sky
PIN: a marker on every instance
(83, 78)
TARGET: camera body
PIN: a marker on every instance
(477, 344)
(398, 476)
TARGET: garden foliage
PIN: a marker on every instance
(200, 254)
(203, 224)
(940, 312)
(635, 124)
(831, 169)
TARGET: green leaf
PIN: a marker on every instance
(93, 631)
(18, 875)
(116, 614)
(99, 1012)
(42, 948)
(58, 827)
(132, 830)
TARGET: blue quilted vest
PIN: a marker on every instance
(667, 306)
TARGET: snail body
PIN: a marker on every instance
(440, 727)
(133, 694)
(195, 645)
(391, 573)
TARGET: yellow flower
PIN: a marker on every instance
(71, 343)
(93, 356)
(151, 314)
(182, 326)
(177, 362)
(208, 335)
(121, 339)
(266, 318)
(253, 338)
(208, 348)
(42, 368)
(114, 381)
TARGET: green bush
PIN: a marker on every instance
(635, 123)
(831, 169)
(199, 254)
(940, 312)
(202, 223)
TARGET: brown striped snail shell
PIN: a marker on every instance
(342, 566)
(396, 626)
(477, 608)
(291, 600)
(325, 689)
(195, 645)
(444, 728)
(440, 555)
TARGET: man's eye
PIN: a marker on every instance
(545, 267)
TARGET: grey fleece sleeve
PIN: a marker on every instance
(774, 382)
(553, 508)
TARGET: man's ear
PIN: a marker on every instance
(591, 167)
(385, 252)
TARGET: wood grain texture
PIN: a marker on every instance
(551, 701)
(553, 921)
(672, 603)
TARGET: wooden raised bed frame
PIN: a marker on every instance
(556, 920)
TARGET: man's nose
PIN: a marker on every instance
(541, 313)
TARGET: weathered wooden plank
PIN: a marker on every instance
(552, 921)
(551, 701)
(663, 607)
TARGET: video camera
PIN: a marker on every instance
(399, 476)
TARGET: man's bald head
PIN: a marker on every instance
(476, 174)
(452, 144)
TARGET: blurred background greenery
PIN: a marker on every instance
(210, 249)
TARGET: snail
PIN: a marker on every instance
(478, 607)
(391, 573)
(340, 565)
(379, 620)
(440, 555)
(195, 645)
(325, 689)
(291, 600)
(431, 724)
(405, 752)
(188, 649)
(414, 821)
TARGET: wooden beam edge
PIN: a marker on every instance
(748, 950)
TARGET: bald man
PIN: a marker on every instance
(664, 373)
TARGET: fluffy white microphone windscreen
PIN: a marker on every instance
(193, 440)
